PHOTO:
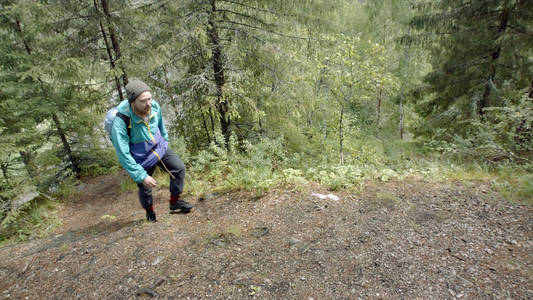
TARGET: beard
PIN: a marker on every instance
(142, 111)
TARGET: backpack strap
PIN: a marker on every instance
(127, 121)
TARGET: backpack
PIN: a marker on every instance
(110, 117)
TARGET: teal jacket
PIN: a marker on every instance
(146, 145)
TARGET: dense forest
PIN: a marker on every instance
(262, 93)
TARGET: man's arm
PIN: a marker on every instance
(121, 142)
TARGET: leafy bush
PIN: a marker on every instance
(336, 177)
(255, 167)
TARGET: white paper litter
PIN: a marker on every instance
(328, 196)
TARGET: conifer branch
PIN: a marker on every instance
(263, 29)
(519, 30)
(258, 9)
(247, 17)
(246, 33)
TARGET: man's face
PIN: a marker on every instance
(143, 104)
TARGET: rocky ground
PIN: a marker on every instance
(404, 239)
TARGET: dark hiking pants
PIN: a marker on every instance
(175, 166)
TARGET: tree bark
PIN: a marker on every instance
(341, 138)
(484, 102)
(222, 104)
(195, 135)
(75, 167)
(530, 94)
(27, 157)
(212, 121)
(109, 54)
(206, 128)
(114, 40)
(19, 29)
(400, 125)
(378, 121)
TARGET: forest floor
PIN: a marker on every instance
(398, 239)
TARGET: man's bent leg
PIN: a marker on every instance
(173, 164)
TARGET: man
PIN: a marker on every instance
(146, 146)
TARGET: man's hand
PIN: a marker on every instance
(149, 181)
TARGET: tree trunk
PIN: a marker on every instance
(55, 118)
(4, 172)
(222, 104)
(212, 121)
(400, 125)
(109, 54)
(378, 121)
(19, 29)
(27, 156)
(484, 102)
(341, 138)
(531, 90)
(27, 160)
(75, 167)
(114, 40)
(195, 136)
(206, 128)
(5, 169)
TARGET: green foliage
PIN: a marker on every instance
(252, 169)
(516, 188)
(479, 62)
(505, 135)
(36, 218)
(336, 177)
(127, 184)
(96, 162)
(66, 188)
(300, 79)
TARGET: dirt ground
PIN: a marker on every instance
(400, 239)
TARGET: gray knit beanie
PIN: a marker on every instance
(134, 88)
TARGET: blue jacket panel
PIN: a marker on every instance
(146, 145)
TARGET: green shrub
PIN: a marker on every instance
(253, 167)
(33, 219)
(98, 162)
(66, 188)
(336, 177)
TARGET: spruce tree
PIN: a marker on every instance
(481, 52)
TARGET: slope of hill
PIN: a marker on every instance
(402, 239)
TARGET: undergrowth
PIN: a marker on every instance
(259, 167)
(33, 219)
(265, 164)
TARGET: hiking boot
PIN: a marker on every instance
(150, 216)
(185, 207)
